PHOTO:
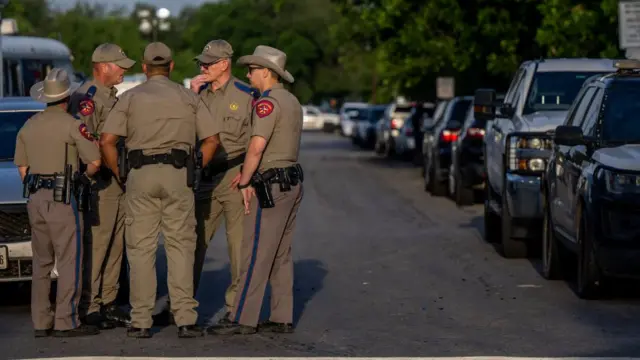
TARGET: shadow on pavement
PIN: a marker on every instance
(309, 277)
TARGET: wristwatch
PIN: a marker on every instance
(244, 186)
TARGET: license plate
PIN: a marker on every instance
(4, 258)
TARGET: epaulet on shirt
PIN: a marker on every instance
(246, 89)
(203, 87)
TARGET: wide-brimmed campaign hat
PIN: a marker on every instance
(56, 86)
(270, 58)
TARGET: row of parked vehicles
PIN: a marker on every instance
(556, 161)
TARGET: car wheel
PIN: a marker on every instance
(452, 182)
(463, 195)
(511, 248)
(551, 264)
(590, 281)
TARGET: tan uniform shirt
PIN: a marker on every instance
(94, 111)
(159, 115)
(231, 105)
(277, 117)
(42, 141)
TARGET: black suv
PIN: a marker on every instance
(591, 186)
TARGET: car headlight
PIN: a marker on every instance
(528, 154)
(618, 183)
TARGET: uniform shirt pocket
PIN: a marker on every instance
(234, 125)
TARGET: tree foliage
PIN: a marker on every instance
(353, 49)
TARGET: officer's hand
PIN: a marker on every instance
(197, 82)
(236, 181)
(247, 194)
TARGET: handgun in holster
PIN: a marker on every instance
(263, 191)
(197, 171)
(285, 180)
(29, 184)
(123, 162)
(191, 169)
(83, 192)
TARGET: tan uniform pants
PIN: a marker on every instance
(210, 206)
(106, 241)
(56, 233)
(266, 257)
(158, 200)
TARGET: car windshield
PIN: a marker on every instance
(10, 124)
(361, 113)
(375, 115)
(620, 118)
(459, 112)
(554, 90)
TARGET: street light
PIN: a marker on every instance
(152, 23)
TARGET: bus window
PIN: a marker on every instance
(11, 72)
(34, 71)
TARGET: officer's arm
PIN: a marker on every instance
(208, 129)
(108, 144)
(265, 113)
(20, 156)
(89, 153)
(114, 126)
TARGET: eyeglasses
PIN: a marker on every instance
(206, 65)
(251, 68)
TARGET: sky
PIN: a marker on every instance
(173, 5)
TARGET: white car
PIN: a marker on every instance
(315, 119)
(348, 112)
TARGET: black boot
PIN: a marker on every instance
(116, 314)
(189, 331)
(138, 333)
(82, 330)
(100, 321)
(275, 327)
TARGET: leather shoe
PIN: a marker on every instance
(99, 321)
(42, 333)
(275, 327)
(231, 329)
(138, 333)
(82, 330)
(189, 331)
(117, 315)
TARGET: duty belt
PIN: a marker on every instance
(177, 158)
(215, 168)
(291, 175)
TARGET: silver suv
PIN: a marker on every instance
(518, 144)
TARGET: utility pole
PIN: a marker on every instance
(3, 3)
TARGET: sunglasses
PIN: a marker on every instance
(206, 65)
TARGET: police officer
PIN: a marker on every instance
(160, 120)
(92, 103)
(230, 102)
(268, 228)
(45, 140)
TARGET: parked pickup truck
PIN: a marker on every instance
(518, 143)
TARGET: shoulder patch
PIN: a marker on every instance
(87, 107)
(85, 132)
(264, 108)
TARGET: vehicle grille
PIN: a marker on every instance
(17, 269)
(14, 224)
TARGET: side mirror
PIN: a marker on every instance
(484, 103)
(568, 135)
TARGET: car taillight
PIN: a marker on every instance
(449, 136)
(475, 132)
(396, 124)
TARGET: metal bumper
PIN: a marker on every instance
(523, 196)
(19, 263)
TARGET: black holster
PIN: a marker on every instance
(123, 162)
(263, 191)
(197, 171)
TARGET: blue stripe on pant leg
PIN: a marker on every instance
(74, 307)
(252, 263)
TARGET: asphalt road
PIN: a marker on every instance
(382, 269)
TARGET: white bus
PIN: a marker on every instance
(27, 60)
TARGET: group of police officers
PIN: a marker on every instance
(105, 174)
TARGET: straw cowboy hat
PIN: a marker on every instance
(55, 87)
(270, 58)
